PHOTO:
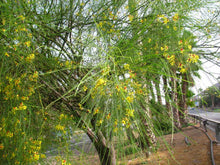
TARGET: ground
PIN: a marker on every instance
(174, 153)
(197, 153)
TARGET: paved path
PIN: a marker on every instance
(212, 116)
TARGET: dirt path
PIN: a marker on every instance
(197, 153)
(177, 153)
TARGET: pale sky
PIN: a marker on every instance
(206, 79)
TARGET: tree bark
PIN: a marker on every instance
(147, 138)
(105, 151)
(175, 111)
(213, 101)
(167, 97)
(157, 86)
(152, 91)
(182, 103)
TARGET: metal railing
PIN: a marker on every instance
(213, 125)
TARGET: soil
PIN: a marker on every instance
(173, 150)
(179, 152)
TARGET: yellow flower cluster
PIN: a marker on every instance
(16, 88)
(171, 59)
(130, 112)
(21, 107)
(193, 58)
(59, 127)
(130, 99)
(182, 68)
(30, 58)
(64, 162)
(176, 17)
(127, 66)
(165, 19)
(100, 82)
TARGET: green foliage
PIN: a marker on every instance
(211, 97)
(161, 118)
(87, 65)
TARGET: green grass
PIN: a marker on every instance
(216, 110)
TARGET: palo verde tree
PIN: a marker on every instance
(86, 65)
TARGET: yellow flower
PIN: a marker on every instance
(166, 20)
(28, 43)
(175, 28)
(30, 35)
(115, 129)
(9, 134)
(193, 58)
(43, 156)
(131, 17)
(175, 17)
(62, 116)
(96, 111)
(36, 157)
(99, 122)
(22, 106)
(126, 66)
(182, 70)
(180, 42)
(100, 24)
(6, 54)
(22, 17)
(171, 59)
(59, 127)
(85, 88)
(130, 99)
(108, 116)
(35, 75)
(189, 47)
(30, 57)
(130, 112)
(1, 146)
(80, 106)
(24, 29)
(100, 82)
(116, 123)
(123, 121)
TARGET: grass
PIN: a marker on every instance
(216, 110)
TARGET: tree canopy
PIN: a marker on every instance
(102, 67)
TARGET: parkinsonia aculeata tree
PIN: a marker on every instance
(89, 65)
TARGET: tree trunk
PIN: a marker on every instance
(167, 97)
(152, 91)
(213, 101)
(182, 103)
(157, 86)
(175, 111)
(105, 151)
(147, 138)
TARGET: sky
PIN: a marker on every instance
(207, 80)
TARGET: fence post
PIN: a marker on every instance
(217, 132)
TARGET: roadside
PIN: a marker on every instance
(197, 153)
